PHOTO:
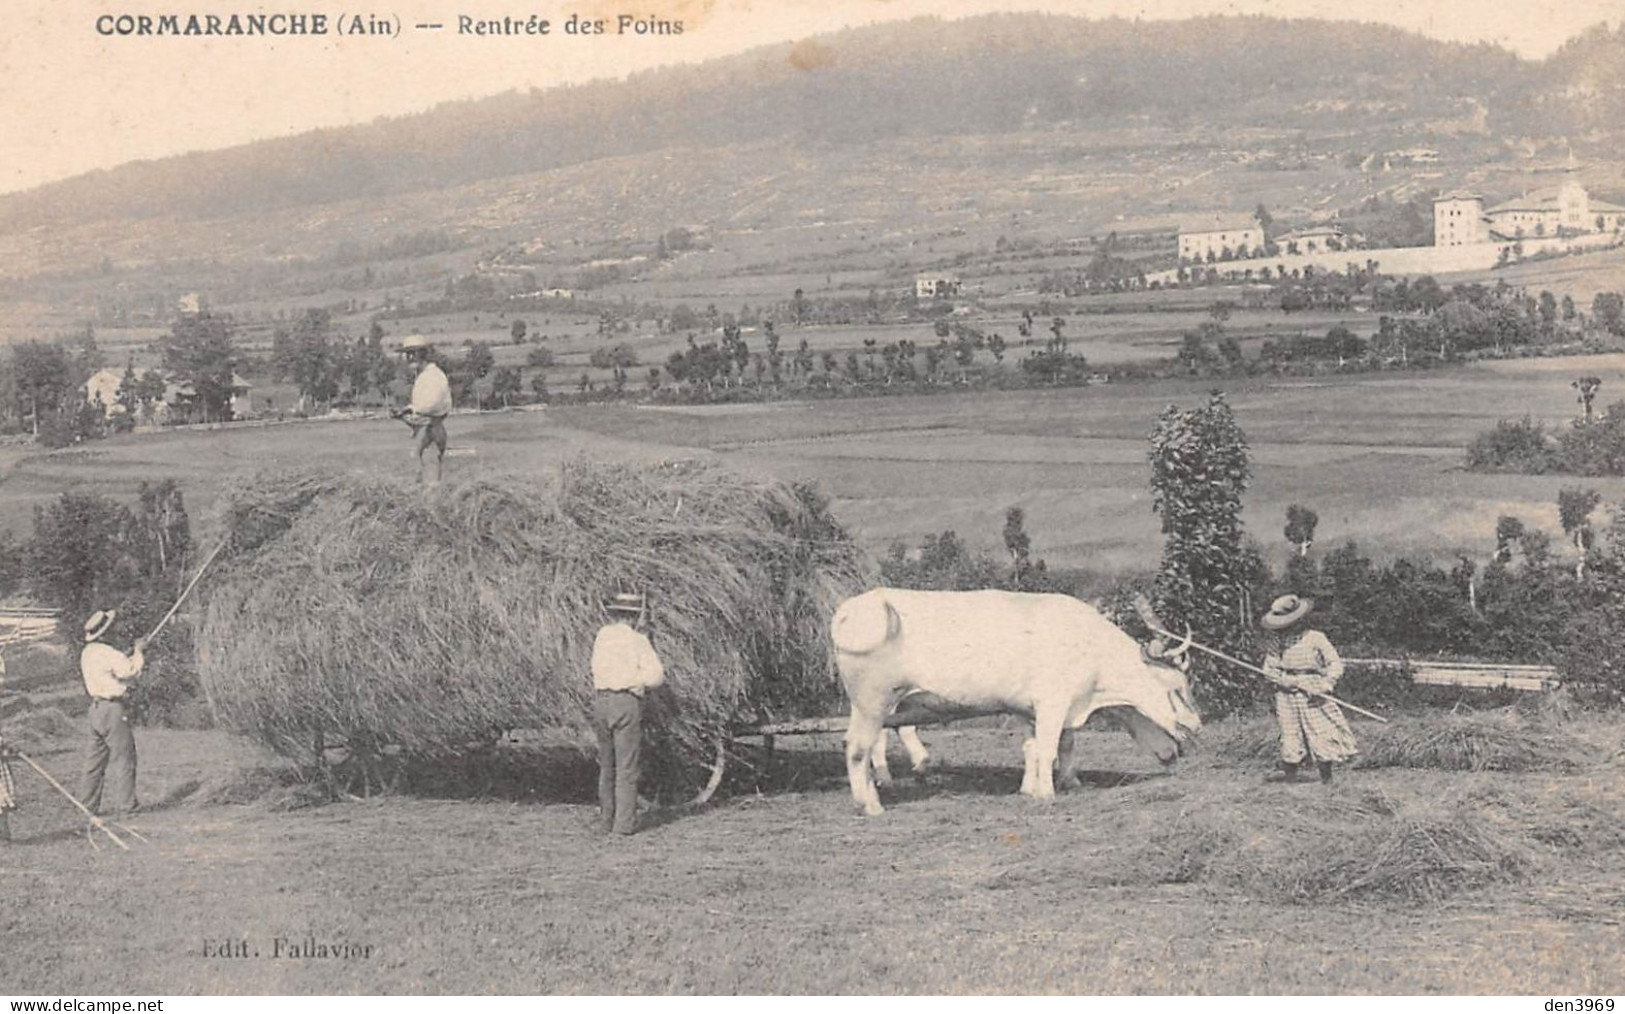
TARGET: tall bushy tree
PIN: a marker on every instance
(198, 351)
(45, 381)
(1199, 471)
(1300, 527)
(75, 560)
(89, 552)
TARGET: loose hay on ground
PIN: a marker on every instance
(1308, 844)
(373, 613)
(1503, 739)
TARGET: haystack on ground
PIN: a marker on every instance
(367, 612)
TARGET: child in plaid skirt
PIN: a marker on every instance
(1303, 665)
(8, 781)
(8, 792)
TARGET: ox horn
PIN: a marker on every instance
(1148, 615)
(1183, 648)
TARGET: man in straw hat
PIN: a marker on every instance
(431, 403)
(1303, 665)
(111, 750)
(624, 667)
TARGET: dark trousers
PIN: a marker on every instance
(109, 757)
(617, 718)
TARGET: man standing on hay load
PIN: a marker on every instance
(624, 667)
(431, 403)
(1303, 665)
(110, 753)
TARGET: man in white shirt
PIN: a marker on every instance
(431, 403)
(624, 667)
(111, 751)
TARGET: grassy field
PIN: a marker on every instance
(1137, 883)
(1379, 457)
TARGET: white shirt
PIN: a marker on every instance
(431, 392)
(623, 659)
(107, 670)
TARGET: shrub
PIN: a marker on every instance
(1523, 446)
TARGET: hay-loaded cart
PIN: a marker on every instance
(356, 622)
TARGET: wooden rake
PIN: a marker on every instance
(96, 823)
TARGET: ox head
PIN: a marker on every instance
(1154, 703)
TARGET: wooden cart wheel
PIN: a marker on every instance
(717, 768)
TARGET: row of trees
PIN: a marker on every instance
(1523, 602)
(1521, 599)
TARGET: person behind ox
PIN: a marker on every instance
(431, 403)
(1303, 665)
(110, 754)
(624, 667)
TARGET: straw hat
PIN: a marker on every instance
(98, 623)
(626, 603)
(1285, 611)
(414, 341)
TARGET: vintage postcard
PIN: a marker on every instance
(841, 497)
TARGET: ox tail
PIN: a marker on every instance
(864, 624)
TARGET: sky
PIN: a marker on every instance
(73, 100)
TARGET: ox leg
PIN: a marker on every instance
(877, 760)
(1066, 761)
(918, 756)
(1046, 742)
(861, 733)
(1029, 769)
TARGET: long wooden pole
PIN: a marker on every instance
(95, 821)
(190, 585)
(1255, 669)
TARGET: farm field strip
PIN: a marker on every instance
(756, 894)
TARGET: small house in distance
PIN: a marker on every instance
(936, 286)
(1219, 236)
(104, 386)
(1316, 239)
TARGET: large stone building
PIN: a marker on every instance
(1561, 210)
(1220, 237)
(1458, 219)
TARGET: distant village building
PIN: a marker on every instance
(1316, 239)
(1564, 210)
(1552, 211)
(936, 286)
(104, 386)
(1220, 236)
(1458, 219)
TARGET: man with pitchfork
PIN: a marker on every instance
(431, 403)
(110, 752)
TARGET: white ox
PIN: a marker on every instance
(1050, 657)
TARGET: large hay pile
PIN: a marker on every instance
(367, 611)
